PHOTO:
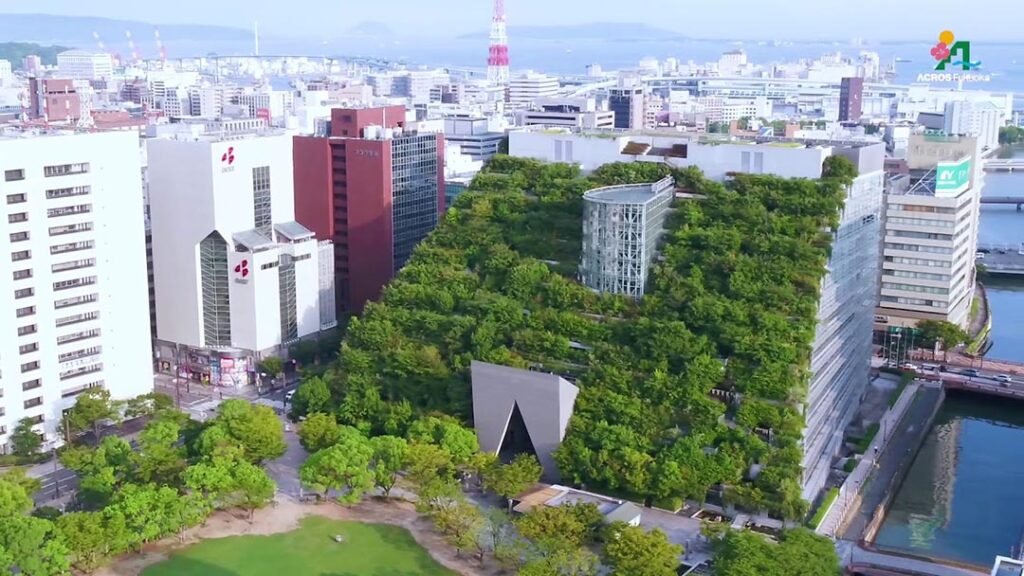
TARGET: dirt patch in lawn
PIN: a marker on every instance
(285, 517)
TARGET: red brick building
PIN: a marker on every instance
(53, 100)
(373, 186)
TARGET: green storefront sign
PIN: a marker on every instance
(953, 177)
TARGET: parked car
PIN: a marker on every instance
(1005, 379)
(909, 366)
(288, 395)
(972, 372)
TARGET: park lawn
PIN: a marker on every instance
(368, 550)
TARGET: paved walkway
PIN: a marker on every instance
(888, 424)
(902, 440)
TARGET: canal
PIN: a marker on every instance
(963, 496)
(962, 499)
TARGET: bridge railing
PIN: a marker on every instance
(1009, 248)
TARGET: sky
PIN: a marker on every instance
(993, 20)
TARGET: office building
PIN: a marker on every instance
(628, 105)
(236, 277)
(74, 286)
(851, 97)
(567, 112)
(373, 186)
(85, 65)
(841, 350)
(980, 120)
(621, 228)
(32, 64)
(474, 136)
(6, 72)
(53, 100)
(524, 90)
(931, 234)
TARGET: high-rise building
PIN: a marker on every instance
(235, 276)
(621, 228)
(980, 120)
(74, 286)
(628, 106)
(376, 187)
(85, 65)
(851, 96)
(525, 90)
(841, 350)
(931, 234)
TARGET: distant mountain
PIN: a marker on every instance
(14, 52)
(595, 31)
(78, 31)
(371, 29)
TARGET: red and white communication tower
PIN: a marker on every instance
(497, 60)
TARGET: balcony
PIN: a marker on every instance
(68, 192)
(69, 211)
(91, 369)
(77, 319)
(72, 247)
(78, 354)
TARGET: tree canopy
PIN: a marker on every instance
(799, 552)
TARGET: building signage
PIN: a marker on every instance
(953, 177)
(953, 62)
(227, 160)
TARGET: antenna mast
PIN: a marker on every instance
(497, 59)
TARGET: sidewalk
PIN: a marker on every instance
(850, 489)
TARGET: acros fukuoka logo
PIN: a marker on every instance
(953, 61)
(242, 269)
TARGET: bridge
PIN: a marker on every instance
(1003, 164)
(1014, 390)
(1018, 200)
(1002, 258)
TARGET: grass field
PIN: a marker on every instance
(368, 550)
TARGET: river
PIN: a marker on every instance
(1002, 224)
(962, 498)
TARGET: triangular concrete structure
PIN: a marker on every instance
(545, 402)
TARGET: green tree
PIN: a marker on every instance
(212, 478)
(799, 552)
(24, 440)
(941, 332)
(447, 433)
(319, 431)
(344, 466)
(632, 551)
(272, 366)
(1011, 134)
(254, 427)
(304, 351)
(508, 480)
(34, 546)
(160, 458)
(86, 538)
(312, 396)
(461, 522)
(13, 499)
(554, 527)
(253, 486)
(839, 167)
(389, 457)
(91, 408)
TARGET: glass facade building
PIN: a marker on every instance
(414, 178)
(621, 227)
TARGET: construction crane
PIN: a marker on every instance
(161, 49)
(131, 46)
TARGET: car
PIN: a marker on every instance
(929, 367)
(979, 255)
(1005, 379)
(909, 366)
(288, 395)
(971, 372)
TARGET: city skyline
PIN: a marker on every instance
(712, 21)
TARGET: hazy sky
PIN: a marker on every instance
(798, 19)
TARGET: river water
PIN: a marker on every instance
(963, 497)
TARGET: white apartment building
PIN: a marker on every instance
(206, 101)
(6, 73)
(931, 234)
(524, 90)
(718, 109)
(235, 276)
(567, 112)
(74, 286)
(85, 65)
(841, 352)
(978, 119)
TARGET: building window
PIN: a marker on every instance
(19, 236)
(22, 274)
(14, 175)
(77, 318)
(72, 247)
(75, 283)
(26, 311)
(261, 200)
(17, 217)
(15, 198)
(66, 169)
(69, 356)
(92, 368)
(73, 265)
(68, 192)
(30, 366)
(213, 265)
(78, 336)
(76, 301)
(24, 292)
(68, 210)
(31, 385)
(37, 401)
(286, 287)
(28, 348)
(26, 330)
(21, 255)
(268, 265)
(70, 228)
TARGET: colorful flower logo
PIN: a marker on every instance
(229, 156)
(242, 269)
(941, 50)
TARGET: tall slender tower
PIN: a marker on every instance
(497, 60)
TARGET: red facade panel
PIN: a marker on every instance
(369, 226)
(350, 122)
(314, 190)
